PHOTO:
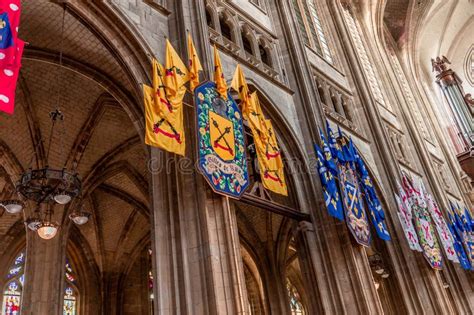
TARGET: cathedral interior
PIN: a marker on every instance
(158, 239)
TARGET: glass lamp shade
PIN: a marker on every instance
(13, 206)
(33, 224)
(379, 270)
(62, 198)
(80, 218)
(47, 230)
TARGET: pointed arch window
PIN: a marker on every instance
(264, 55)
(296, 305)
(70, 291)
(247, 44)
(226, 29)
(11, 303)
(151, 281)
(209, 20)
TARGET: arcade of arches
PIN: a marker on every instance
(159, 240)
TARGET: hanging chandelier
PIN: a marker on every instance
(47, 187)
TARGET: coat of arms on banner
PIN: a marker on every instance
(356, 216)
(221, 145)
(425, 229)
(428, 241)
(468, 240)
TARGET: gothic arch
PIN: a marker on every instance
(390, 293)
(249, 33)
(275, 267)
(10, 162)
(11, 250)
(88, 285)
(266, 52)
(226, 17)
(130, 51)
(126, 269)
(256, 290)
(214, 16)
(298, 163)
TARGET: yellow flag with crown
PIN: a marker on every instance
(239, 84)
(194, 64)
(219, 78)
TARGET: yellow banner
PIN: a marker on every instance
(165, 133)
(176, 74)
(270, 162)
(219, 78)
(239, 84)
(164, 113)
(194, 64)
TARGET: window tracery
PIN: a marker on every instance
(70, 291)
(296, 305)
(368, 68)
(264, 55)
(151, 281)
(13, 290)
(311, 28)
(209, 20)
(226, 29)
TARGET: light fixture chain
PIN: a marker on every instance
(61, 47)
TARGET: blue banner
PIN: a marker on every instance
(330, 190)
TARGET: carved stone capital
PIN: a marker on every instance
(305, 226)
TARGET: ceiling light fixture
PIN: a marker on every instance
(46, 186)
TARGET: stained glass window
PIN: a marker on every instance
(296, 305)
(150, 281)
(69, 301)
(12, 292)
(70, 291)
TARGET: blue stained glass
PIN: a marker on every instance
(12, 292)
(69, 301)
(68, 266)
(20, 259)
(14, 271)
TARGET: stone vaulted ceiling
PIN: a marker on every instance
(395, 16)
(98, 138)
(447, 29)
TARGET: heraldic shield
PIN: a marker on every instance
(221, 144)
(222, 135)
(356, 216)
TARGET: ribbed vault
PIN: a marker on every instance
(99, 140)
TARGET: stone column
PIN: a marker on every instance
(222, 245)
(197, 261)
(43, 274)
(198, 265)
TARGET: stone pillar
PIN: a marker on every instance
(321, 292)
(227, 280)
(198, 265)
(197, 261)
(337, 101)
(43, 274)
